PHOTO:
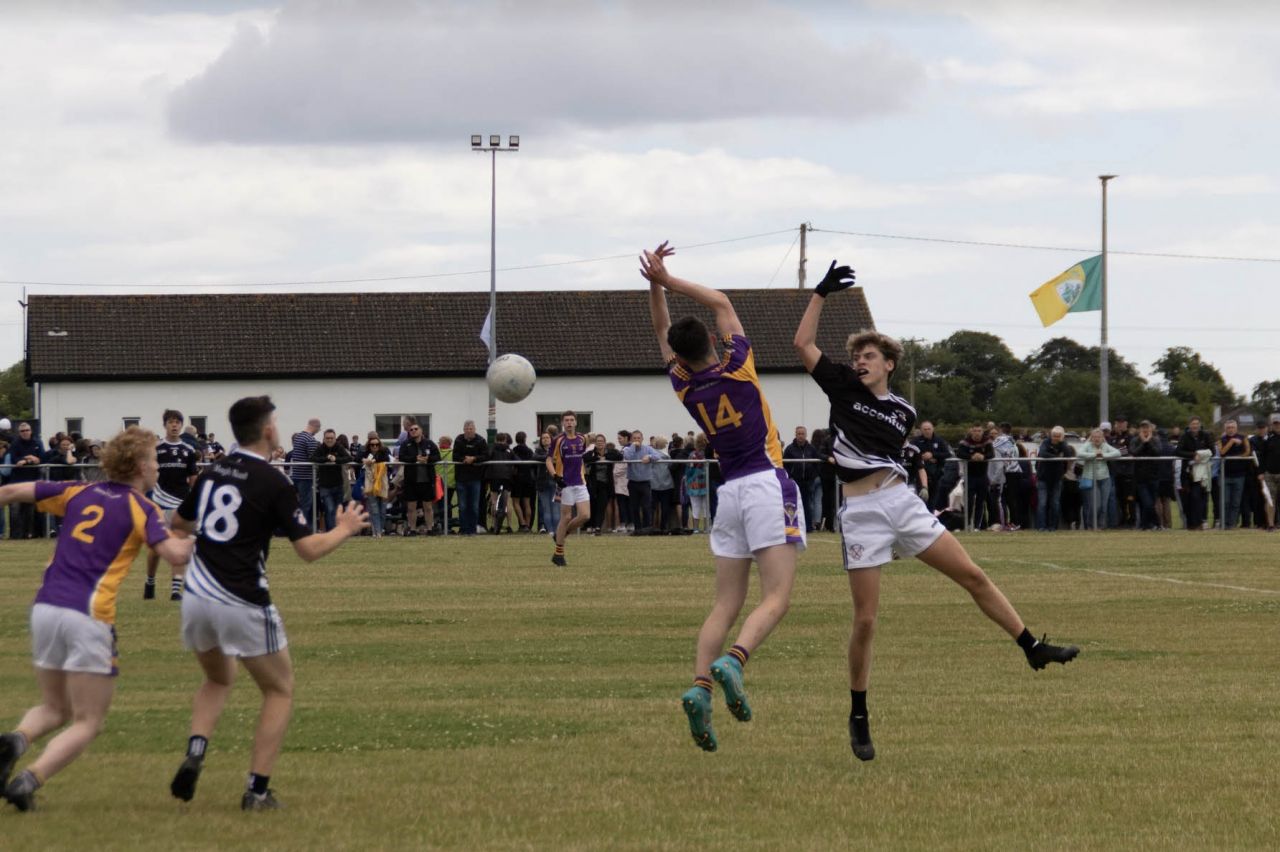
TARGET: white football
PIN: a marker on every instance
(511, 377)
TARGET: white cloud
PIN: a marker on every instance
(348, 72)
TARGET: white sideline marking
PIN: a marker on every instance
(1155, 579)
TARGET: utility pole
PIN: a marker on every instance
(909, 347)
(804, 230)
(1104, 368)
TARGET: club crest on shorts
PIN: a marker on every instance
(856, 551)
(789, 513)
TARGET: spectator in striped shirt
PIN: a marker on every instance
(304, 447)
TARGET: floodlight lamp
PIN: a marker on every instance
(476, 140)
(495, 141)
(513, 141)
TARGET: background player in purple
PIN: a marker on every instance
(880, 514)
(178, 467)
(564, 463)
(759, 515)
(73, 617)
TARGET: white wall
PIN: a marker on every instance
(349, 405)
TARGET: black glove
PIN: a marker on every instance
(560, 483)
(837, 278)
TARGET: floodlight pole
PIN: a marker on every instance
(494, 146)
(1104, 367)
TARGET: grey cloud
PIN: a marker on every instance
(404, 72)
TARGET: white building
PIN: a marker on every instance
(359, 361)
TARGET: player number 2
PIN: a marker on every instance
(216, 518)
(726, 415)
(81, 530)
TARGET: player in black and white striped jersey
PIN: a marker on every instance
(236, 505)
(879, 514)
(178, 461)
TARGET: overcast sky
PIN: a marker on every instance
(201, 145)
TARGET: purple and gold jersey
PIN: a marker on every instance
(106, 524)
(727, 402)
(566, 457)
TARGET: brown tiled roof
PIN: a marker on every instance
(389, 334)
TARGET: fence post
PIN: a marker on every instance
(964, 492)
(444, 503)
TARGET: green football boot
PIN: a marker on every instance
(697, 706)
(728, 673)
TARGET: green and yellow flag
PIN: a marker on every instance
(1077, 289)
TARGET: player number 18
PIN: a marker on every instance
(726, 415)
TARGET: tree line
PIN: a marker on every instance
(972, 376)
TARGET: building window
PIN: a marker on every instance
(75, 426)
(549, 418)
(132, 421)
(200, 422)
(388, 425)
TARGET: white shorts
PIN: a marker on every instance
(757, 511)
(237, 631)
(69, 641)
(572, 495)
(873, 525)
(698, 506)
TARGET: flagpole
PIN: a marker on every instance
(1104, 366)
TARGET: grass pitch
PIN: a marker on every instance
(465, 693)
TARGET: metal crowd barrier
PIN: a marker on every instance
(1216, 463)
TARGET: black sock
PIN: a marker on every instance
(258, 783)
(1025, 640)
(859, 703)
(196, 746)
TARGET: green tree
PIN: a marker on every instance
(16, 399)
(945, 401)
(982, 359)
(1193, 381)
(1266, 398)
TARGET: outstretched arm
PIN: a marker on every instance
(661, 318)
(655, 272)
(806, 341)
(19, 492)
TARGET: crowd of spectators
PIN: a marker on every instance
(1118, 476)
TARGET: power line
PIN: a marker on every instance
(784, 259)
(389, 278)
(1176, 255)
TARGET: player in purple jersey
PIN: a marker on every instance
(73, 617)
(759, 515)
(177, 473)
(564, 463)
(880, 514)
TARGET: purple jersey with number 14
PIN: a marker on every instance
(727, 402)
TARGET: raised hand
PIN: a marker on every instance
(352, 517)
(837, 278)
(652, 269)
